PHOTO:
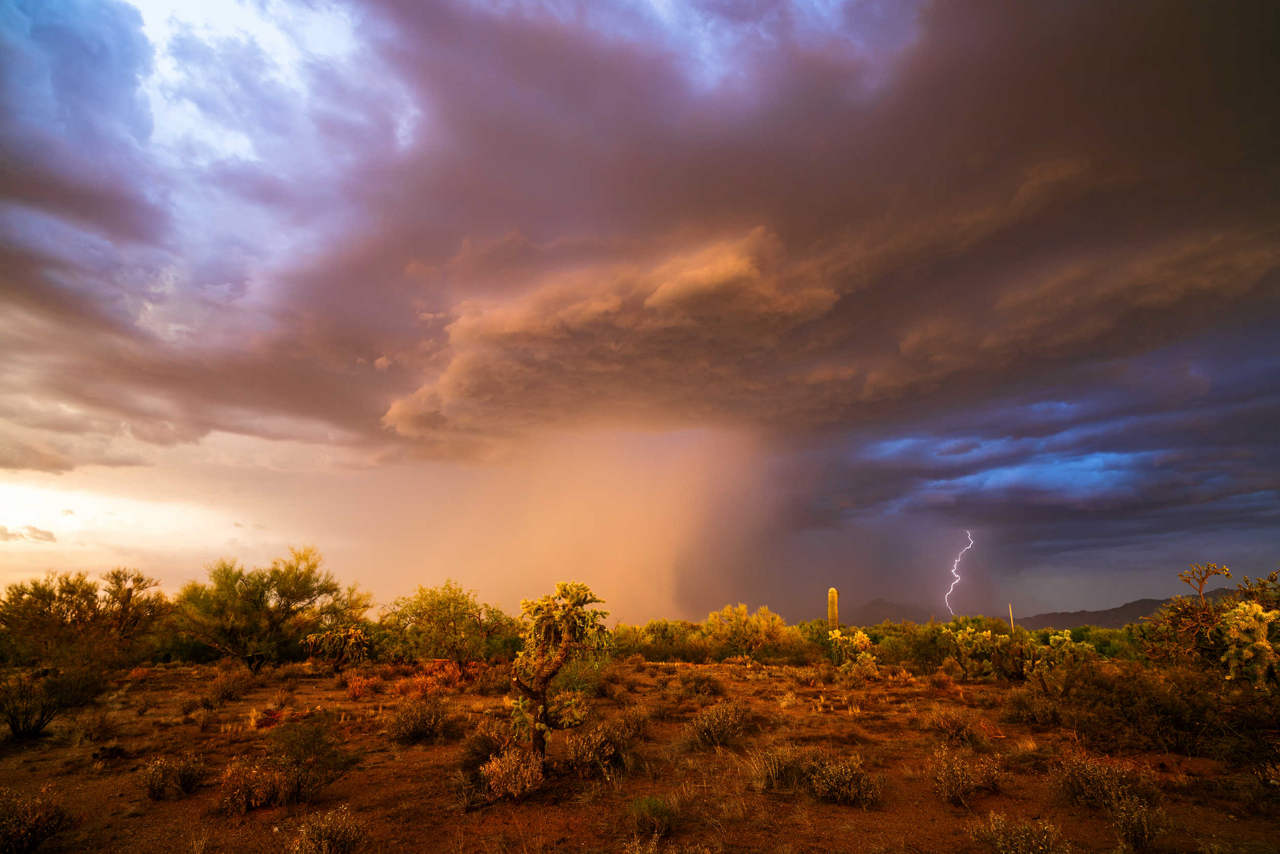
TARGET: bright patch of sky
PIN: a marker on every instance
(289, 34)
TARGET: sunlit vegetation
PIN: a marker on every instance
(272, 707)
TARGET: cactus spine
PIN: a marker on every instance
(833, 608)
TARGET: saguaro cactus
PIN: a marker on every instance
(833, 608)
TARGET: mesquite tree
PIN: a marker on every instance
(555, 627)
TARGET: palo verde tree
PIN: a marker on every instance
(446, 622)
(261, 616)
(69, 619)
(554, 628)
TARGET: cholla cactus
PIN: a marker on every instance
(847, 647)
(1057, 665)
(833, 608)
(1250, 653)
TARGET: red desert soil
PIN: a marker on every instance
(407, 796)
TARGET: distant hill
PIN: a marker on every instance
(1110, 618)
(880, 610)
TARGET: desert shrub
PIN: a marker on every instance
(697, 684)
(1136, 823)
(360, 686)
(164, 776)
(29, 703)
(248, 784)
(513, 774)
(607, 746)
(716, 726)
(485, 742)
(652, 816)
(958, 729)
(96, 727)
(1097, 783)
(1028, 706)
(27, 822)
(957, 778)
(420, 720)
(309, 758)
(940, 680)
(332, 832)
(491, 680)
(229, 686)
(844, 780)
(1020, 837)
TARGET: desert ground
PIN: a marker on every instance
(939, 757)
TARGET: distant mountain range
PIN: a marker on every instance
(880, 610)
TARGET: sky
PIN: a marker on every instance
(697, 302)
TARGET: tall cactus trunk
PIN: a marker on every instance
(833, 608)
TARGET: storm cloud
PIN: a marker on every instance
(960, 264)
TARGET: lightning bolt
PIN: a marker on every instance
(955, 571)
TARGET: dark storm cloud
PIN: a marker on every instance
(961, 262)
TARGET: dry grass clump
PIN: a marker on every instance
(957, 778)
(1095, 782)
(695, 684)
(360, 686)
(513, 774)
(26, 822)
(717, 726)
(608, 746)
(836, 779)
(165, 776)
(332, 832)
(959, 729)
(227, 687)
(652, 816)
(1020, 837)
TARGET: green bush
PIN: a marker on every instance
(447, 622)
(261, 616)
(27, 822)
